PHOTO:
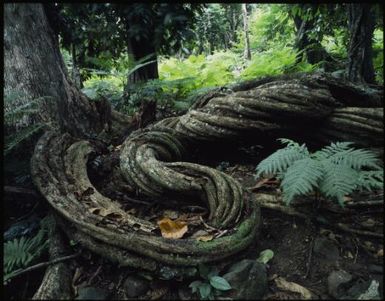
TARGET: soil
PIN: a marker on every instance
(291, 238)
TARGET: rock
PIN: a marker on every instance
(135, 286)
(372, 293)
(248, 280)
(184, 293)
(326, 249)
(336, 281)
(92, 293)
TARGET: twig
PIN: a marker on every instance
(308, 263)
(206, 225)
(359, 232)
(340, 226)
(363, 203)
(89, 282)
(42, 265)
(20, 190)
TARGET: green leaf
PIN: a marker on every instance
(220, 283)
(265, 256)
(195, 285)
(204, 290)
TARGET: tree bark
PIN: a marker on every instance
(247, 53)
(313, 49)
(35, 69)
(360, 67)
(140, 49)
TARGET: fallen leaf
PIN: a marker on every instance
(172, 229)
(205, 238)
(347, 198)
(283, 284)
(380, 253)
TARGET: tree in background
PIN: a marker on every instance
(360, 55)
(144, 30)
(247, 53)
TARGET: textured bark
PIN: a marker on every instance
(360, 55)
(56, 284)
(247, 53)
(140, 49)
(34, 69)
(151, 161)
(313, 49)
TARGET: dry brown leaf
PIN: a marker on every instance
(202, 235)
(205, 238)
(283, 284)
(380, 253)
(172, 229)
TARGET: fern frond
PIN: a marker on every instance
(332, 149)
(372, 179)
(356, 158)
(279, 161)
(301, 178)
(288, 142)
(338, 181)
(15, 139)
(21, 252)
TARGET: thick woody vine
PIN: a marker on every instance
(152, 163)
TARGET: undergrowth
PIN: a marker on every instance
(334, 171)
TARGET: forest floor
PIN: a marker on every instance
(323, 261)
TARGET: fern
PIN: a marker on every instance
(282, 159)
(21, 252)
(335, 171)
(301, 178)
(338, 181)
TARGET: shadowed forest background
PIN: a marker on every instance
(193, 151)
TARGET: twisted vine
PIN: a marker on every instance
(151, 160)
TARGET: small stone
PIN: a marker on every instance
(135, 286)
(92, 293)
(248, 280)
(336, 280)
(326, 249)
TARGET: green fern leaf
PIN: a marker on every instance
(355, 158)
(279, 161)
(332, 149)
(301, 178)
(338, 181)
(372, 179)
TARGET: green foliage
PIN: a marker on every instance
(273, 62)
(15, 113)
(336, 170)
(211, 285)
(265, 256)
(20, 253)
(378, 53)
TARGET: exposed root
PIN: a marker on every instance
(151, 161)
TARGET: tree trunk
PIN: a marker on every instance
(34, 68)
(75, 69)
(247, 53)
(140, 49)
(360, 56)
(313, 49)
